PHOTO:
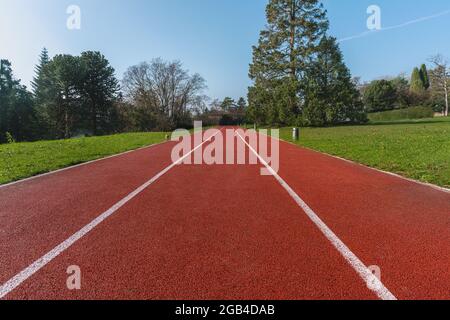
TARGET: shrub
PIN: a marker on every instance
(403, 114)
(9, 138)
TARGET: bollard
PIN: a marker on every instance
(295, 134)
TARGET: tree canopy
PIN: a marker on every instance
(293, 59)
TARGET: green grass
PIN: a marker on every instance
(402, 114)
(416, 149)
(23, 160)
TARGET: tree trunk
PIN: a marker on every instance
(66, 125)
(446, 102)
(292, 56)
(94, 120)
(292, 41)
(446, 96)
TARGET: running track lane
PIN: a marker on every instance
(398, 225)
(220, 256)
(203, 232)
(36, 215)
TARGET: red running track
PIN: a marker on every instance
(224, 232)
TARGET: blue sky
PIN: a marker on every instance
(214, 37)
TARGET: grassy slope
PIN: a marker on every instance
(22, 160)
(408, 113)
(415, 149)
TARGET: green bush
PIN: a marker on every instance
(403, 114)
(9, 138)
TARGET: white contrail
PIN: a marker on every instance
(405, 24)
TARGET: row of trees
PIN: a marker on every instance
(80, 95)
(75, 94)
(298, 72)
(428, 88)
(226, 112)
(71, 94)
(161, 95)
(16, 107)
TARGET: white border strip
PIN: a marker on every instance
(22, 276)
(79, 165)
(372, 282)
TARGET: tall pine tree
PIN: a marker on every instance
(38, 80)
(99, 90)
(417, 85)
(41, 90)
(289, 64)
(332, 96)
(285, 48)
(424, 77)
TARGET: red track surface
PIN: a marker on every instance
(225, 232)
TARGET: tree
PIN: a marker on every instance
(380, 95)
(440, 76)
(38, 84)
(99, 91)
(22, 121)
(16, 107)
(333, 96)
(7, 84)
(62, 106)
(417, 84)
(285, 48)
(227, 104)
(41, 88)
(424, 76)
(402, 88)
(241, 104)
(164, 92)
(259, 101)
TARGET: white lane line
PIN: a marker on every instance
(77, 165)
(372, 282)
(423, 184)
(22, 276)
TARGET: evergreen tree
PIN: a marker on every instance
(227, 104)
(417, 85)
(286, 46)
(332, 95)
(62, 106)
(241, 104)
(6, 88)
(99, 90)
(298, 72)
(380, 95)
(38, 80)
(424, 77)
(16, 107)
(41, 88)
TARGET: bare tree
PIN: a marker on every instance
(440, 78)
(164, 89)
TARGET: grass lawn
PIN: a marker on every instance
(418, 149)
(22, 160)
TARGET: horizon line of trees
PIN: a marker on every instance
(74, 96)
(299, 76)
(298, 73)
(427, 87)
